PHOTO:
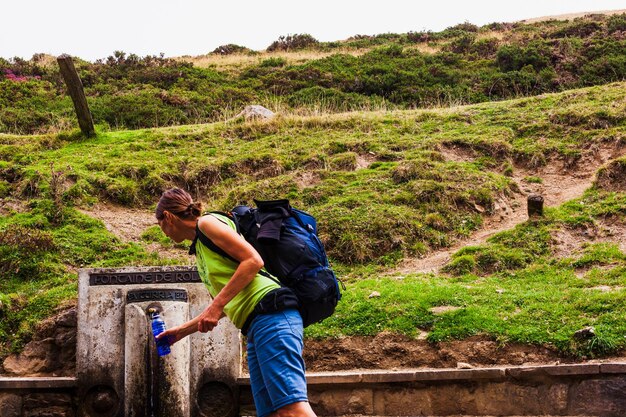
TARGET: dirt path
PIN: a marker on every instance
(559, 184)
(129, 224)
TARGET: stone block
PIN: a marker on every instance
(388, 377)
(50, 412)
(459, 374)
(46, 400)
(454, 398)
(402, 401)
(328, 378)
(532, 372)
(613, 368)
(10, 405)
(337, 402)
(114, 340)
(605, 397)
(522, 399)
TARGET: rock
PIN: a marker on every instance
(585, 333)
(53, 350)
(604, 397)
(65, 337)
(38, 356)
(464, 365)
(443, 309)
(374, 294)
(255, 112)
(67, 319)
(10, 405)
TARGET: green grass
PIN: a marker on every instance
(408, 201)
(540, 305)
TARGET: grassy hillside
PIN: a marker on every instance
(462, 64)
(382, 189)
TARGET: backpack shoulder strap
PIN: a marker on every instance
(208, 242)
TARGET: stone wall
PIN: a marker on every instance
(562, 390)
(37, 397)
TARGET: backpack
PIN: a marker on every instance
(286, 239)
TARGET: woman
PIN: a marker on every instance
(275, 338)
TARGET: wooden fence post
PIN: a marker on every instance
(75, 89)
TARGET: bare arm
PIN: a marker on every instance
(250, 263)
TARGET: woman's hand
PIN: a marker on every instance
(209, 318)
(172, 335)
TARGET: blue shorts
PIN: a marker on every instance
(275, 361)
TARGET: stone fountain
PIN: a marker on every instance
(118, 370)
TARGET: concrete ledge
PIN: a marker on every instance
(613, 368)
(7, 383)
(377, 376)
(454, 374)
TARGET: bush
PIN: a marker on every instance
(515, 57)
(276, 62)
(578, 28)
(462, 44)
(293, 42)
(328, 99)
(418, 37)
(230, 49)
(138, 109)
(616, 23)
(484, 48)
(464, 27)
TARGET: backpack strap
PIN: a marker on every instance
(208, 242)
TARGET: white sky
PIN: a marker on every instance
(94, 29)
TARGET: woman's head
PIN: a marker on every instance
(177, 213)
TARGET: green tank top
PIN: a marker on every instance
(215, 271)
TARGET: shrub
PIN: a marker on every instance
(578, 28)
(144, 108)
(293, 42)
(515, 57)
(484, 48)
(462, 44)
(230, 49)
(418, 37)
(465, 27)
(276, 62)
(616, 23)
(328, 99)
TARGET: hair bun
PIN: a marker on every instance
(195, 208)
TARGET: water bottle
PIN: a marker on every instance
(158, 327)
